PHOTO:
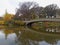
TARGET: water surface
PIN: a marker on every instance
(26, 36)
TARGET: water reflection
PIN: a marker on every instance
(10, 39)
(23, 36)
(51, 29)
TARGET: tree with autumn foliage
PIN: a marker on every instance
(8, 17)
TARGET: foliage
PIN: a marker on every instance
(8, 18)
(18, 22)
(51, 10)
(26, 11)
(31, 10)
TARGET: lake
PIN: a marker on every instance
(26, 36)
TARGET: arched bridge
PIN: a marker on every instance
(43, 20)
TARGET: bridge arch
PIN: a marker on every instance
(42, 20)
(30, 23)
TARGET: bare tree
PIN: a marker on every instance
(50, 10)
(25, 10)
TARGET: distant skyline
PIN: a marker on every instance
(11, 5)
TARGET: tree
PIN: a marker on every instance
(8, 17)
(40, 12)
(58, 11)
(24, 10)
(50, 10)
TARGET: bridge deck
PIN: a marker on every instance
(53, 20)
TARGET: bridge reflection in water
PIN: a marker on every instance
(26, 36)
(53, 29)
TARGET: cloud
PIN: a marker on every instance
(11, 5)
(47, 2)
(4, 4)
(44, 2)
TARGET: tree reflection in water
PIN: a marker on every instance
(26, 37)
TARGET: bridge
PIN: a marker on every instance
(43, 20)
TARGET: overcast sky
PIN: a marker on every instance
(11, 5)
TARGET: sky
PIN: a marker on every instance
(11, 5)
